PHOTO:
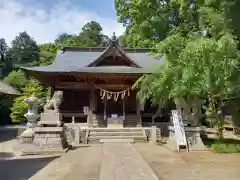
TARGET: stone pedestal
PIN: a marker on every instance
(50, 139)
(115, 123)
(50, 118)
(193, 138)
(48, 136)
(46, 140)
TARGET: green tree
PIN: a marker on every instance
(5, 58)
(90, 36)
(202, 58)
(49, 47)
(24, 49)
(146, 21)
(47, 54)
(3, 49)
(19, 107)
(28, 87)
(63, 38)
(17, 79)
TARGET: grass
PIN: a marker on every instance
(223, 146)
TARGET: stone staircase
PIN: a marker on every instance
(95, 135)
(130, 121)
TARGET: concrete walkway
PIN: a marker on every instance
(121, 161)
(113, 161)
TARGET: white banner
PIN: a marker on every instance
(179, 128)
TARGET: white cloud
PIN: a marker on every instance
(44, 26)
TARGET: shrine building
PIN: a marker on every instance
(97, 85)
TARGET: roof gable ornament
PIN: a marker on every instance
(114, 38)
(115, 50)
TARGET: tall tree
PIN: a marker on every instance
(24, 49)
(63, 38)
(146, 21)
(90, 36)
(201, 57)
(3, 49)
(5, 58)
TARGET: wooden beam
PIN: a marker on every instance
(76, 85)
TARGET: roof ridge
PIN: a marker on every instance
(89, 49)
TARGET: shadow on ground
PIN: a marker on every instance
(5, 155)
(8, 134)
(22, 169)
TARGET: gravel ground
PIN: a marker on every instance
(170, 165)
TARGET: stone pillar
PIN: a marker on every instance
(153, 135)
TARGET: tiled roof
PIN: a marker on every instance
(76, 60)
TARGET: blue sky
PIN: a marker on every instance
(45, 19)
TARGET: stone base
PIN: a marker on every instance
(51, 118)
(193, 139)
(46, 140)
(27, 136)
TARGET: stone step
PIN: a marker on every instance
(115, 129)
(140, 133)
(48, 129)
(116, 137)
(116, 140)
(47, 122)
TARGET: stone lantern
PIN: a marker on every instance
(32, 116)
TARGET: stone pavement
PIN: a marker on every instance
(113, 161)
(79, 164)
(120, 161)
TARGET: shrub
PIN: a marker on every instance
(226, 146)
(19, 107)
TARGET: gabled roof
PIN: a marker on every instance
(82, 59)
(116, 50)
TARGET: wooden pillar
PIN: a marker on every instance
(105, 108)
(90, 109)
(139, 118)
(124, 110)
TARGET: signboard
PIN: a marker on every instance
(85, 109)
(179, 128)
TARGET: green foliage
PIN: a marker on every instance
(223, 146)
(19, 107)
(5, 104)
(62, 38)
(24, 49)
(17, 79)
(197, 65)
(5, 59)
(49, 47)
(27, 87)
(90, 36)
(3, 48)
